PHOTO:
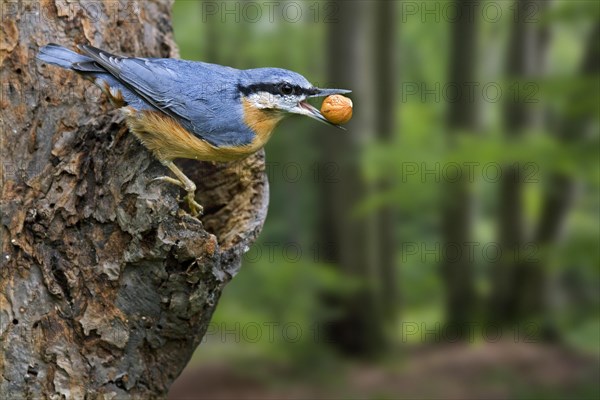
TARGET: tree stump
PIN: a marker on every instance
(107, 285)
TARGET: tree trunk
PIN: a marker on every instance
(526, 52)
(348, 242)
(107, 286)
(386, 49)
(559, 197)
(457, 268)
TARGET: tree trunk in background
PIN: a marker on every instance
(107, 287)
(526, 53)
(386, 49)
(559, 197)
(347, 241)
(457, 265)
(573, 128)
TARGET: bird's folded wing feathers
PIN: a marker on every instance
(143, 78)
(193, 93)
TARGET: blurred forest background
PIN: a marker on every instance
(447, 243)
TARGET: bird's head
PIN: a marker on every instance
(283, 91)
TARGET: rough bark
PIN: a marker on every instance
(107, 286)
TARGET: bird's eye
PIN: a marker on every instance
(286, 89)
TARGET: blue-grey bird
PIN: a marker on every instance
(187, 109)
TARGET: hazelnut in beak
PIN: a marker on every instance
(337, 109)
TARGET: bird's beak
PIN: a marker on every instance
(328, 92)
(304, 108)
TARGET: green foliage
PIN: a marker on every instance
(273, 308)
(416, 161)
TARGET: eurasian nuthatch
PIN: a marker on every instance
(186, 109)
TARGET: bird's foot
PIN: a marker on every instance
(195, 208)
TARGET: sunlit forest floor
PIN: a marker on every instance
(483, 371)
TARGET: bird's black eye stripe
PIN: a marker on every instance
(284, 88)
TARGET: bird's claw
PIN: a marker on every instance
(195, 208)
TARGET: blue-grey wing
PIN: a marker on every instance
(199, 95)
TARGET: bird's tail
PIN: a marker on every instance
(61, 56)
